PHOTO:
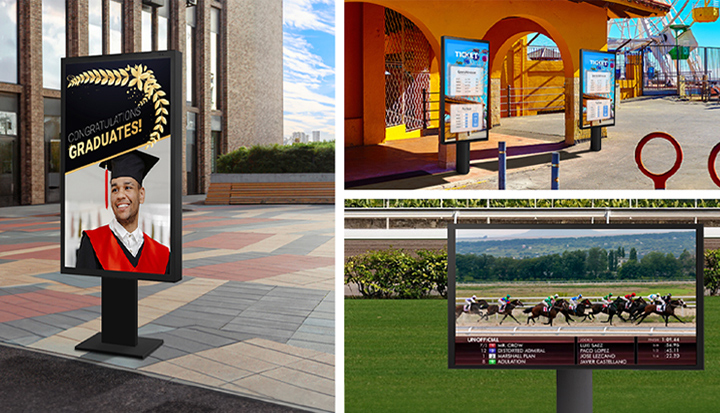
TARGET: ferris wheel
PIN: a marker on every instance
(636, 33)
(666, 40)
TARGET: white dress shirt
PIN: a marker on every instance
(131, 240)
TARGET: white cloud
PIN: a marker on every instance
(306, 107)
(310, 15)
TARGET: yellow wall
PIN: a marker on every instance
(530, 78)
(572, 25)
(631, 86)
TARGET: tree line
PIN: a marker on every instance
(594, 264)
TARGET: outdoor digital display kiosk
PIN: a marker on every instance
(464, 93)
(597, 97)
(561, 297)
(120, 158)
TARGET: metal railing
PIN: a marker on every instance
(520, 101)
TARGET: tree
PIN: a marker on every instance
(633, 254)
(596, 262)
(612, 261)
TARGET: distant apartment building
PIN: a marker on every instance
(315, 136)
(232, 78)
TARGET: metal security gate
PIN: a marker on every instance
(407, 72)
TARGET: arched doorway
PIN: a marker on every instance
(390, 84)
(504, 37)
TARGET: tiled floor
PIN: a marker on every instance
(254, 313)
(416, 160)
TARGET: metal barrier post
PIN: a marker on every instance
(502, 165)
(555, 183)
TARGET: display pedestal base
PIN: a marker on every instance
(144, 347)
(462, 158)
(120, 322)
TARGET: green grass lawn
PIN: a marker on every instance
(396, 360)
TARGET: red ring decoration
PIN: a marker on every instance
(711, 164)
(661, 179)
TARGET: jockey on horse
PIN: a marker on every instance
(628, 298)
(574, 301)
(503, 302)
(469, 302)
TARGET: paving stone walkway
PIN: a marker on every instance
(253, 315)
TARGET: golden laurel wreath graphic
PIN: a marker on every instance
(136, 76)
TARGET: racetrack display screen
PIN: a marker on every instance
(569, 296)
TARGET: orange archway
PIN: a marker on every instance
(572, 25)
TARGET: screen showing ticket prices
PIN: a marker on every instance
(567, 296)
(465, 90)
(597, 83)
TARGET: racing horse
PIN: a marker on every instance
(474, 309)
(509, 307)
(579, 310)
(636, 308)
(538, 311)
(669, 311)
(613, 309)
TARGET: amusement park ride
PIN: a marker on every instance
(669, 39)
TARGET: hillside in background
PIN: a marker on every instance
(674, 243)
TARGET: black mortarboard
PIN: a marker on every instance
(134, 164)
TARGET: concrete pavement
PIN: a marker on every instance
(253, 315)
(694, 125)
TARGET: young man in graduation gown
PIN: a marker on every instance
(121, 245)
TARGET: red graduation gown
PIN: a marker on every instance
(153, 259)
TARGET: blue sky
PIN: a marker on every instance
(309, 67)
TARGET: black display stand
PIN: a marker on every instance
(595, 138)
(462, 157)
(574, 391)
(120, 322)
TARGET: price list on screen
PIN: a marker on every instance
(600, 351)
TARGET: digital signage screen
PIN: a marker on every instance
(119, 156)
(573, 296)
(464, 90)
(597, 86)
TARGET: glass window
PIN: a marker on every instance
(94, 27)
(8, 114)
(53, 35)
(163, 14)
(115, 26)
(190, 155)
(52, 150)
(8, 41)
(214, 56)
(146, 33)
(216, 147)
(190, 55)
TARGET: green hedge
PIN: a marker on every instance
(395, 274)
(316, 157)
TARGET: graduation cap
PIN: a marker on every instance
(134, 164)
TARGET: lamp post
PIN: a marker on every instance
(676, 28)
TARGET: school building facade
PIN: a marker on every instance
(232, 78)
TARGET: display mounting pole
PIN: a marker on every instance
(595, 138)
(119, 333)
(574, 391)
(462, 157)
